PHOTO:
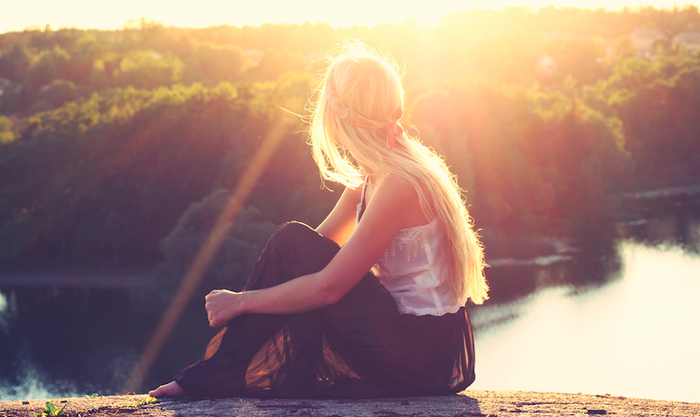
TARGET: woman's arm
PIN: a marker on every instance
(340, 223)
(393, 206)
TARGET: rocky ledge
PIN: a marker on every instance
(469, 403)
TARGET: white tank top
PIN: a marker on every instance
(409, 270)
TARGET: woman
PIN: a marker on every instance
(371, 303)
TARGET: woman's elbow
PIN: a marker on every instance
(329, 288)
(330, 295)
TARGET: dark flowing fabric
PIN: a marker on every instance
(360, 347)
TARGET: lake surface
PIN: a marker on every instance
(637, 336)
(619, 318)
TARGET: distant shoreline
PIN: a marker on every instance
(98, 281)
(107, 280)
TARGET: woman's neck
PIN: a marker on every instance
(376, 178)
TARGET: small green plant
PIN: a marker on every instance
(146, 401)
(51, 410)
(93, 396)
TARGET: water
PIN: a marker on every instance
(636, 336)
(616, 316)
(64, 341)
(628, 328)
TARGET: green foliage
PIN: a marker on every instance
(145, 401)
(104, 179)
(15, 62)
(51, 410)
(47, 66)
(106, 159)
(123, 156)
(239, 251)
(59, 92)
(211, 64)
(530, 158)
(148, 69)
(275, 63)
(581, 59)
(660, 120)
(7, 131)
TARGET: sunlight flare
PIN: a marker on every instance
(206, 253)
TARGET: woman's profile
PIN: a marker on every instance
(371, 303)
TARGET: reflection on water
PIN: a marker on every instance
(578, 268)
(636, 336)
(674, 221)
(623, 322)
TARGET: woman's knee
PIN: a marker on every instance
(292, 232)
(298, 244)
(292, 237)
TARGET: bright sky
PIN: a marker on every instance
(15, 15)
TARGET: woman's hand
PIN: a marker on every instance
(222, 306)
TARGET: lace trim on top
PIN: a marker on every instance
(408, 242)
(430, 311)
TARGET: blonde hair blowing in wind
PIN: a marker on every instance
(370, 85)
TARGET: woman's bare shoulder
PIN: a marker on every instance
(398, 184)
(406, 198)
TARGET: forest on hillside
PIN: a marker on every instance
(119, 148)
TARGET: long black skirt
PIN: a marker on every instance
(360, 347)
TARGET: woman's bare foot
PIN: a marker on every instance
(173, 389)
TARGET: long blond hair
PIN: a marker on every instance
(370, 85)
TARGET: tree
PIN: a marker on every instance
(660, 121)
(526, 152)
(211, 64)
(240, 249)
(15, 62)
(47, 66)
(148, 69)
(7, 130)
(275, 63)
(59, 92)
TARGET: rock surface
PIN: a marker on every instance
(468, 404)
